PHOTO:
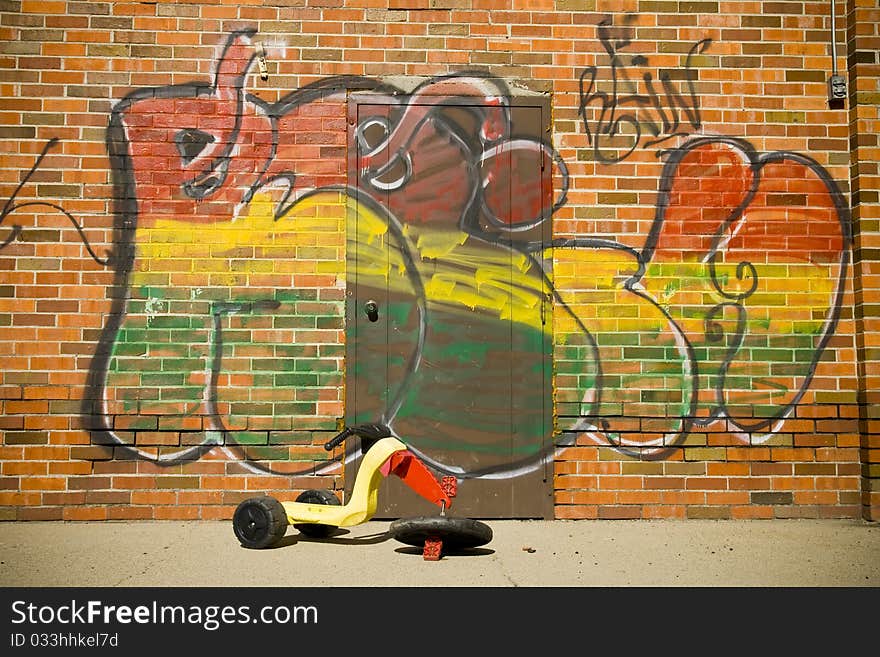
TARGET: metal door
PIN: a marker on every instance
(448, 312)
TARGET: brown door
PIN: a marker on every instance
(448, 317)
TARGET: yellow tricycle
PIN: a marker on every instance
(261, 522)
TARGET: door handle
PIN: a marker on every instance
(371, 308)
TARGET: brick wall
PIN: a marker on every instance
(172, 307)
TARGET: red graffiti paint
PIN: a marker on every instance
(775, 207)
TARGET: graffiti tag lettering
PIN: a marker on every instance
(624, 114)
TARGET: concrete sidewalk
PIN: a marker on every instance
(526, 553)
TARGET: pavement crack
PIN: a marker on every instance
(504, 573)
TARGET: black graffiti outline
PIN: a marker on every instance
(715, 333)
(545, 454)
(11, 206)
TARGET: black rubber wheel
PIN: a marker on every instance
(317, 496)
(456, 533)
(259, 522)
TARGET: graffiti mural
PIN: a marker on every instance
(231, 261)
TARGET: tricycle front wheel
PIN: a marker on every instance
(452, 533)
(259, 522)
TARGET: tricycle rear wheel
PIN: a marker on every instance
(317, 496)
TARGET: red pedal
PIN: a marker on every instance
(449, 484)
(433, 548)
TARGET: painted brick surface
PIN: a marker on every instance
(177, 233)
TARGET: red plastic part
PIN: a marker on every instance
(449, 484)
(433, 548)
(416, 475)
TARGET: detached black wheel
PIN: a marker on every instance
(317, 496)
(259, 522)
(456, 533)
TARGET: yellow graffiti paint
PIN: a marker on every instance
(786, 294)
(457, 271)
(253, 242)
(461, 273)
(590, 281)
